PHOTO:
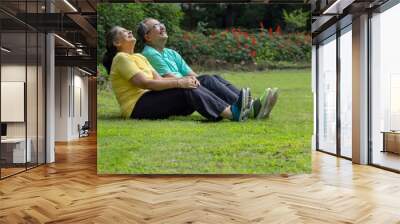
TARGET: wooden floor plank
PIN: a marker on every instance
(70, 191)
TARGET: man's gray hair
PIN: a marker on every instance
(143, 29)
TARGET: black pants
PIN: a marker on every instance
(220, 87)
(211, 98)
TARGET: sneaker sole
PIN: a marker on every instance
(264, 105)
(274, 98)
(248, 107)
(245, 105)
(250, 99)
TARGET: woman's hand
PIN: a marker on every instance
(188, 83)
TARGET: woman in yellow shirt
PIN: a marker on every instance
(143, 94)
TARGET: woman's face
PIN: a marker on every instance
(125, 39)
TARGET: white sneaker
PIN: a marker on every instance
(271, 102)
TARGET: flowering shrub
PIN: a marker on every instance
(294, 48)
(236, 46)
(194, 47)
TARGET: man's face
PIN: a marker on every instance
(156, 31)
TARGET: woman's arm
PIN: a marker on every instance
(156, 75)
(157, 84)
(170, 76)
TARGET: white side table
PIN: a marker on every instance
(19, 149)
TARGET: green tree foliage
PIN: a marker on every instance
(222, 15)
(129, 16)
(296, 20)
(219, 34)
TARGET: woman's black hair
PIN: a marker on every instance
(111, 50)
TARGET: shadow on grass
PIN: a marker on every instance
(193, 117)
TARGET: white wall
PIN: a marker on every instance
(81, 84)
(62, 81)
(34, 124)
(14, 73)
(71, 94)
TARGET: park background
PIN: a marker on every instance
(251, 45)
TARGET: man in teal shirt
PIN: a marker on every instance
(170, 64)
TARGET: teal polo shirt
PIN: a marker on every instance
(167, 61)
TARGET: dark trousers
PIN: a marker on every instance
(220, 87)
(213, 96)
(179, 102)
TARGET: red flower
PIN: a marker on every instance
(270, 32)
(261, 25)
(253, 41)
(246, 46)
(278, 30)
(246, 35)
(253, 53)
(236, 35)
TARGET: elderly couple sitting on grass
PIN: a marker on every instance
(158, 83)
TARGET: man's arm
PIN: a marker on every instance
(156, 75)
(162, 68)
(192, 73)
(169, 76)
(183, 67)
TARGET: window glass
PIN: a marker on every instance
(385, 88)
(327, 95)
(346, 92)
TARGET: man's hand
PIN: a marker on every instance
(193, 79)
(188, 83)
(196, 81)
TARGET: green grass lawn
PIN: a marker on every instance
(186, 145)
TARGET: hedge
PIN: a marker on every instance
(235, 46)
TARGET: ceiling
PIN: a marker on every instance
(336, 13)
(72, 20)
(212, 1)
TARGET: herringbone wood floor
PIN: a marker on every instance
(69, 191)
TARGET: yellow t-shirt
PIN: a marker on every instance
(123, 68)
